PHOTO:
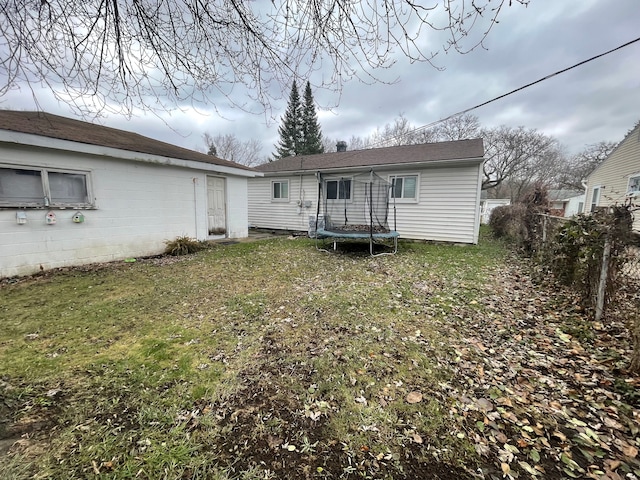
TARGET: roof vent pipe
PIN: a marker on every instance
(341, 146)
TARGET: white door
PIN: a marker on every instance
(216, 206)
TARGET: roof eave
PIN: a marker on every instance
(381, 166)
(32, 140)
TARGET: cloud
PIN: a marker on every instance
(597, 101)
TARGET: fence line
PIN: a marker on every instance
(617, 264)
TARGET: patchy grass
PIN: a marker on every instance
(255, 360)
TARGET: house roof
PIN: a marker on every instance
(423, 153)
(63, 128)
(563, 194)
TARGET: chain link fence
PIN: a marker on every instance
(606, 264)
(597, 255)
(631, 267)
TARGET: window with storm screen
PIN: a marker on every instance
(280, 190)
(41, 187)
(404, 187)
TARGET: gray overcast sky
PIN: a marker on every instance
(594, 102)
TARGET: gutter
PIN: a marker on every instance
(378, 167)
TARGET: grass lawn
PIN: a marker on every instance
(273, 360)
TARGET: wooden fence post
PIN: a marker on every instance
(604, 273)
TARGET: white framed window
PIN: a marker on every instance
(404, 187)
(634, 185)
(339, 189)
(280, 190)
(595, 198)
(44, 187)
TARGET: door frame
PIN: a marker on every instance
(226, 213)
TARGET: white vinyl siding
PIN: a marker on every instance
(448, 209)
(265, 213)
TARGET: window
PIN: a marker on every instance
(634, 185)
(404, 187)
(39, 187)
(339, 189)
(595, 198)
(280, 190)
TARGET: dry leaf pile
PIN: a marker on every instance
(536, 401)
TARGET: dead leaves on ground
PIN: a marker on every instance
(534, 400)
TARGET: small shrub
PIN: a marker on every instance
(183, 246)
(507, 222)
(520, 222)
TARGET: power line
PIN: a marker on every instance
(432, 124)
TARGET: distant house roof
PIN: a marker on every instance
(563, 194)
(63, 128)
(423, 153)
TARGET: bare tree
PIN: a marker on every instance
(579, 166)
(229, 147)
(124, 55)
(520, 157)
(540, 171)
(354, 143)
(401, 132)
(358, 143)
(515, 158)
(460, 127)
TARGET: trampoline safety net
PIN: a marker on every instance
(354, 207)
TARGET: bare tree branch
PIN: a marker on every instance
(230, 147)
(124, 55)
(520, 156)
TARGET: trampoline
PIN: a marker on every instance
(354, 208)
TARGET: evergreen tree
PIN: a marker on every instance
(311, 133)
(299, 131)
(290, 129)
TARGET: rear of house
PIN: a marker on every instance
(617, 179)
(73, 193)
(439, 198)
(566, 203)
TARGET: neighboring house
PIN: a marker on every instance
(617, 179)
(439, 198)
(488, 204)
(566, 203)
(74, 193)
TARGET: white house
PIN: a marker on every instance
(74, 193)
(566, 203)
(440, 197)
(617, 179)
